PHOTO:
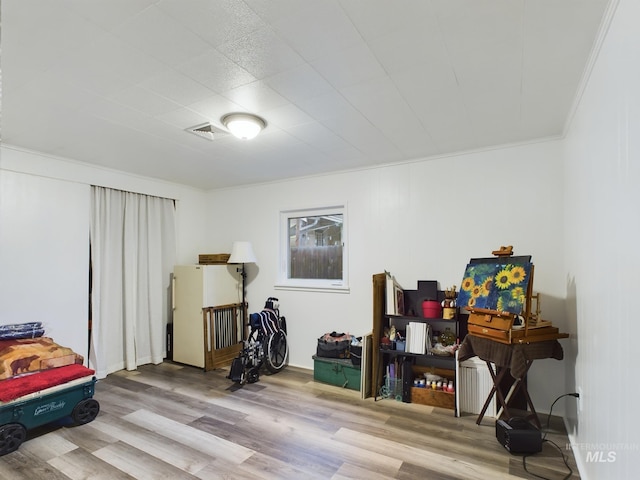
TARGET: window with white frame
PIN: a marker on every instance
(313, 249)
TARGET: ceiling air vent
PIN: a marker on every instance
(208, 131)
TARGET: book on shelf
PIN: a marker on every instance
(416, 337)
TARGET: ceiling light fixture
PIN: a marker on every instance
(245, 126)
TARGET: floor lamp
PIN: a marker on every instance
(242, 252)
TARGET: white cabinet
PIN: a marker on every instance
(194, 288)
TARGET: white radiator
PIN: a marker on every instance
(474, 385)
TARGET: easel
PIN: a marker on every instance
(498, 326)
(503, 400)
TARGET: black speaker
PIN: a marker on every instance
(407, 381)
(518, 436)
(169, 341)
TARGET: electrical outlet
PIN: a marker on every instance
(580, 399)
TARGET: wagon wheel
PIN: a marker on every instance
(85, 411)
(11, 437)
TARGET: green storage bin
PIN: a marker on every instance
(336, 371)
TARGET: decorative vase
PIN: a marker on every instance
(447, 337)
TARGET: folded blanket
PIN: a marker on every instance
(21, 330)
(22, 356)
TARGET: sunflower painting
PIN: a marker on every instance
(498, 286)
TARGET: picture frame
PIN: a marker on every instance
(399, 296)
(394, 296)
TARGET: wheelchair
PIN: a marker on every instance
(265, 346)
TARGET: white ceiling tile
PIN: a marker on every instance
(215, 71)
(144, 100)
(419, 82)
(319, 137)
(48, 90)
(261, 53)
(214, 108)
(274, 138)
(182, 118)
(469, 25)
(414, 49)
(272, 11)
(107, 15)
(318, 30)
(376, 19)
(347, 67)
(496, 117)
(255, 97)
(116, 113)
(53, 32)
(381, 103)
(360, 133)
(286, 116)
(543, 17)
(346, 158)
(154, 32)
(479, 73)
(110, 52)
(88, 76)
(326, 107)
(299, 83)
(541, 109)
(177, 87)
(50, 132)
(217, 22)
(444, 117)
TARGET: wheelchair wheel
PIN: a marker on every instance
(277, 351)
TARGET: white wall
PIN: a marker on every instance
(602, 254)
(44, 274)
(420, 221)
(44, 237)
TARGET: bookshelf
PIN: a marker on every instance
(412, 362)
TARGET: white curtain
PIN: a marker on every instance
(133, 251)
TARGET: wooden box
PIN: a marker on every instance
(499, 327)
(336, 371)
(428, 396)
(435, 398)
(213, 258)
(493, 325)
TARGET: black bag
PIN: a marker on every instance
(355, 352)
(334, 345)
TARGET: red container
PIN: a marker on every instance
(431, 309)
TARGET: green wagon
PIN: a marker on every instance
(73, 399)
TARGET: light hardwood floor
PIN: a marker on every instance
(177, 422)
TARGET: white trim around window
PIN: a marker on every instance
(291, 217)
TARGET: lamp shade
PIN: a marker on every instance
(244, 126)
(242, 252)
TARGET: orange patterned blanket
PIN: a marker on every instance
(28, 355)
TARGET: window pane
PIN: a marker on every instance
(315, 247)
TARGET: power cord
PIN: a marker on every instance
(544, 439)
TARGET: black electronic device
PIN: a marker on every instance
(518, 436)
